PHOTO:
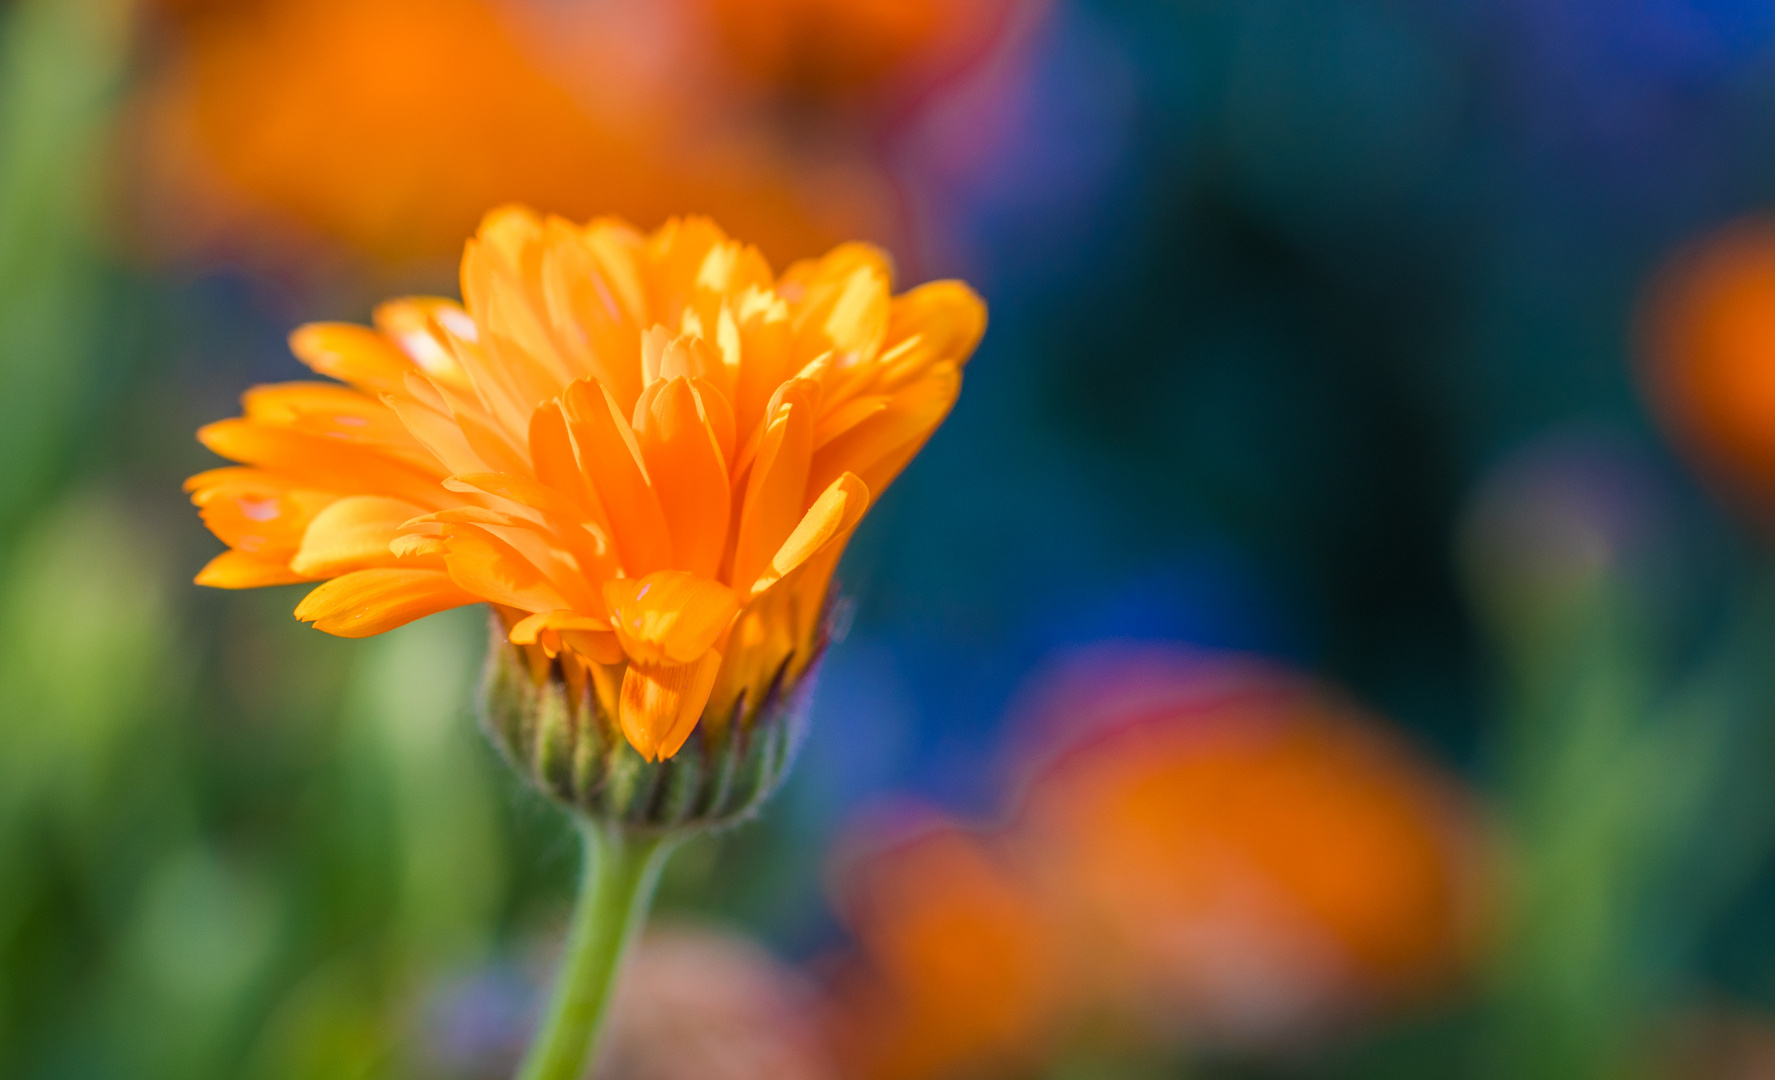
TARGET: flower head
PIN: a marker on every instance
(646, 452)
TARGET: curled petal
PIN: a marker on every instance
(669, 616)
(352, 534)
(493, 570)
(830, 520)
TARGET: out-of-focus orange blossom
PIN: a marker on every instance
(1254, 869)
(390, 126)
(958, 972)
(835, 50)
(1215, 852)
(1709, 353)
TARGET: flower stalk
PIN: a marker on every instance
(618, 874)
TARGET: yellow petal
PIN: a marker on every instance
(494, 570)
(830, 520)
(593, 301)
(256, 512)
(947, 317)
(877, 448)
(312, 461)
(669, 616)
(423, 328)
(352, 534)
(352, 354)
(776, 488)
(238, 570)
(661, 703)
(367, 602)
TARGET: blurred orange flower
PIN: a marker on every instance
(390, 125)
(648, 451)
(1709, 352)
(1242, 856)
(837, 50)
(1209, 851)
(959, 972)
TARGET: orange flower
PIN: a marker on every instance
(647, 451)
(1710, 353)
(959, 971)
(1244, 857)
(833, 49)
(389, 126)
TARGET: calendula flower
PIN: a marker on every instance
(645, 451)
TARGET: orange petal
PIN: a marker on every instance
(598, 646)
(238, 570)
(947, 317)
(352, 534)
(843, 303)
(255, 511)
(879, 447)
(688, 475)
(519, 489)
(661, 703)
(551, 456)
(353, 354)
(525, 630)
(594, 303)
(338, 414)
(608, 455)
(766, 356)
(564, 525)
(494, 570)
(669, 616)
(776, 488)
(422, 327)
(502, 289)
(312, 461)
(829, 520)
(367, 602)
(718, 411)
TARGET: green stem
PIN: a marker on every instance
(616, 886)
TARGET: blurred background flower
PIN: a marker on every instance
(1229, 861)
(1420, 350)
